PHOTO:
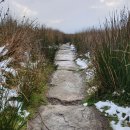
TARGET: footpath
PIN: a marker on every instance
(66, 92)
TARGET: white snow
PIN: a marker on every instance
(87, 55)
(12, 71)
(4, 63)
(84, 62)
(85, 104)
(31, 65)
(89, 74)
(81, 63)
(5, 101)
(122, 113)
(85, 65)
(92, 90)
(3, 50)
(5, 93)
(23, 113)
(72, 48)
(118, 126)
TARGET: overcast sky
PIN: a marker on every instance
(68, 16)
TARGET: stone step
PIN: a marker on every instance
(66, 86)
(59, 117)
(66, 92)
(65, 57)
(66, 65)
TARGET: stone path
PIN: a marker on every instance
(65, 110)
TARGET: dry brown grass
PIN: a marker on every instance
(110, 47)
(35, 47)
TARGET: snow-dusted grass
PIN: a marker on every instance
(85, 63)
(30, 65)
(89, 74)
(109, 108)
(113, 110)
(3, 50)
(4, 66)
(72, 48)
(20, 86)
(5, 93)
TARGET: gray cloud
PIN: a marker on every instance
(66, 15)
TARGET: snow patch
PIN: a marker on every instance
(122, 113)
(89, 74)
(87, 55)
(92, 90)
(85, 104)
(85, 64)
(23, 113)
(82, 63)
(72, 48)
(30, 65)
(5, 93)
(4, 63)
(3, 50)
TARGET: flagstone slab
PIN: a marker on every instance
(67, 86)
(59, 117)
